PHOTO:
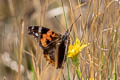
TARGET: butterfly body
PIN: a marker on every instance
(54, 45)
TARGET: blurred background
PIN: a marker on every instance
(99, 24)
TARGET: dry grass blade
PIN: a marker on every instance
(73, 18)
(20, 50)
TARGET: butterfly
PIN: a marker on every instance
(54, 45)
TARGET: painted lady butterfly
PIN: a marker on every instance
(54, 45)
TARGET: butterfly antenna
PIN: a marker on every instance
(74, 23)
(59, 22)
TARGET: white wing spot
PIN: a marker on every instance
(36, 34)
(32, 27)
(39, 30)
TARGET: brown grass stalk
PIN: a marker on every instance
(20, 50)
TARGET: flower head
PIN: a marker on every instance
(76, 48)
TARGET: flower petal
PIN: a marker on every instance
(76, 48)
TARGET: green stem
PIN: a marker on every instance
(78, 73)
(68, 69)
(64, 14)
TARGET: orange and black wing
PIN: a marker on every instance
(43, 35)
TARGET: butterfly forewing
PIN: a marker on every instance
(43, 35)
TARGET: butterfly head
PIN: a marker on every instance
(67, 33)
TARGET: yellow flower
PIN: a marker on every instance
(76, 48)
